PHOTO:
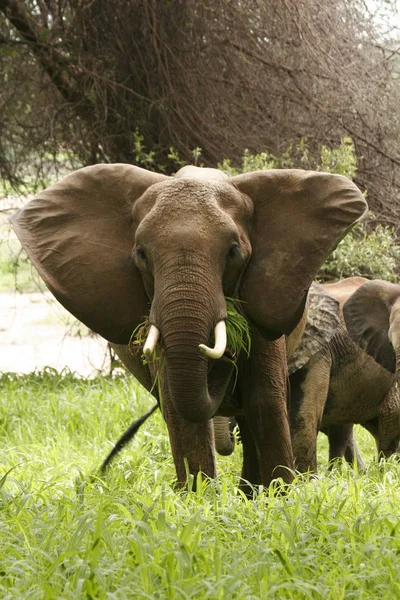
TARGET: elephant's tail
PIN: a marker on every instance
(126, 437)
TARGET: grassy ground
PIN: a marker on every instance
(66, 536)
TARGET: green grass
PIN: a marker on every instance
(67, 535)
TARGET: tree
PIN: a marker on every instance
(128, 80)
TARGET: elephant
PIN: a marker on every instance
(115, 243)
(353, 377)
(324, 317)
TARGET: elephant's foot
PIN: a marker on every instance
(305, 459)
(304, 442)
(386, 448)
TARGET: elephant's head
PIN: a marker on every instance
(116, 242)
(372, 316)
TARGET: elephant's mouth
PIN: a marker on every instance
(218, 351)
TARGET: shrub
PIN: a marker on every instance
(373, 254)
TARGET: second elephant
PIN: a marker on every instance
(353, 378)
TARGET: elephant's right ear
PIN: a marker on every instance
(78, 234)
(367, 314)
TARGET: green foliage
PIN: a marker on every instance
(142, 157)
(148, 159)
(237, 330)
(341, 160)
(66, 533)
(374, 254)
(295, 155)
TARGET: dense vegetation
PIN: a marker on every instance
(65, 533)
(94, 81)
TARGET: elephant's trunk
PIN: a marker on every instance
(186, 311)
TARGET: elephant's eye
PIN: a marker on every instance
(234, 251)
(140, 253)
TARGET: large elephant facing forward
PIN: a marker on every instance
(353, 377)
(115, 243)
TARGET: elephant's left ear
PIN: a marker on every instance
(299, 218)
(371, 317)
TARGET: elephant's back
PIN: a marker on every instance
(343, 289)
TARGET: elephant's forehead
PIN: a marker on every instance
(193, 195)
(179, 199)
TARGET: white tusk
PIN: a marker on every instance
(220, 342)
(151, 342)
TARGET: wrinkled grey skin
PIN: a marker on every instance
(116, 243)
(353, 378)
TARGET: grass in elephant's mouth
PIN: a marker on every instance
(237, 329)
(133, 535)
(237, 332)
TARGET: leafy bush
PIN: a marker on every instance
(374, 254)
(296, 155)
(341, 160)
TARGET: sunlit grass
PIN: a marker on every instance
(66, 533)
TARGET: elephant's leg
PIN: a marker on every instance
(309, 390)
(251, 462)
(389, 424)
(223, 436)
(343, 445)
(265, 408)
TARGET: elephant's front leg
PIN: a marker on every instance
(265, 409)
(309, 391)
(192, 444)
